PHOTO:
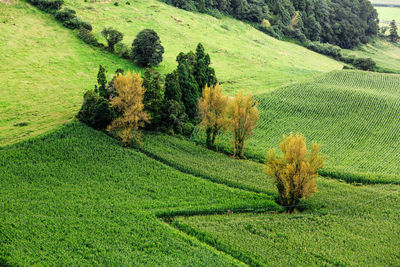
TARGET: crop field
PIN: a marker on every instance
(256, 62)
(43, 73)
(342, 226)
(354, 116)
(76, 197)
(384, 53)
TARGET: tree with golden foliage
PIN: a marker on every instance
(212, 109)
(295, 171)
(294, 21)
(130, 103)
(243, 114)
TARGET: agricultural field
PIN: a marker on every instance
(349, 113)
(256, 62)
(45, 70)
(76, 197)
(341, 225)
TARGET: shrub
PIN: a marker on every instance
(244, 115)
(325, 49)
(87, 36)
(129, 102)
(112, 37)
(72, 24)
(86, 25)
(187, 128)
(65, 14)
(147, 49)
(295, 171)
(47, 5)
(123, 51)
(95, 111)
(173, 117)
(364, 64)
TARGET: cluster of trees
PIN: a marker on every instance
(219, 113)
(346, 23)
(170, 104)
(393, 34)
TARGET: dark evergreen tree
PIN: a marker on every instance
(102, 81)
(153, 97)
(172, 87)
(189, 88)
(147, 49)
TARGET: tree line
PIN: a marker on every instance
(345, 23)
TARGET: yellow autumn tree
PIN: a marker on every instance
(243, 114)
(129, 102)
(265, 23)
(212, 109)
(295, 20)
(295, 171)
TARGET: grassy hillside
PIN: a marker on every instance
(385, 54)
(387, 14)
(353, 115)
(43, 73)
(76, 197)
(244, 58)
(344, 226)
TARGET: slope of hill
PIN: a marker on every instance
(244, 58)
(354, 115)
(76, 197)
(43, 73)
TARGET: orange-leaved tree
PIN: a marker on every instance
(212, 108)
(129, 102)
(295, 171)
(243, 114)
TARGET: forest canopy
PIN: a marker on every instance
(346, 23)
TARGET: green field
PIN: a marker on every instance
(44, 71)
(76, 197)
(244, 58)
(384, 53)
(343, 226)
(354, 115)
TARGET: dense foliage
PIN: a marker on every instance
(294, 171)
(112, 37)
(394, 35)
(346, 23)
(147, 49)
(47, 5)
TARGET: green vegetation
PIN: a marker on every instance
(76, 197)
(342, 225)
(385, 54)
(42, 86)
(353, 115)
(243, 57)
(387, 14)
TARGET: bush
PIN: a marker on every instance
(123, 51)
(47, 5)
(325, 49)
(87, 36)
(173, 117)
(187, 128)
(86, 25)
(295, 171)
(147, 49)
(65, 14)
(364, 64)
(95, 111)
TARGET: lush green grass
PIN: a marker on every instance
(199, 161)
(354, 116)
(385, 54)
(76, 197)
(244, 58)
(386, 2)
(387, 14)
(44, 71)
(342, 226)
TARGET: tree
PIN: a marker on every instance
(204, 74)
(212, 108)
(295, 171)
(102, 81)
(154, 96)
(147, 49)
(394, 35)
(95, 111)
(189, 88)
(112, 37)
(172, 88)
(243, 114)
(129, 102)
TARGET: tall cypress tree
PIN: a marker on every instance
(189, 88)
(102, 81)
